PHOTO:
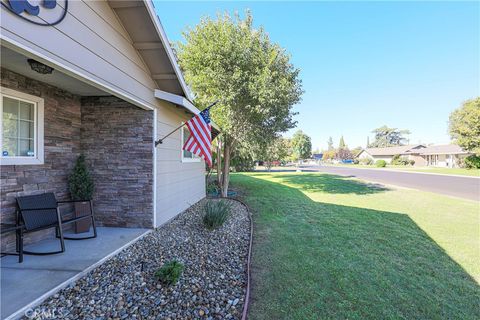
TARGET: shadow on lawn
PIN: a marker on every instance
(314, 260)
(329, 183)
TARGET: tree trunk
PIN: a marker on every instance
(219, 162)
(225, 169)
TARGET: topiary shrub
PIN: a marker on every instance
(472, 162)
(216, 213)
(399, 160)
(411, 162)
(381, 163)
(395, 160)
(80, 182)
(170, 272)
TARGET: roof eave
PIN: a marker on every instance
(166, 44)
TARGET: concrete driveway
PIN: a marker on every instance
(463, 187)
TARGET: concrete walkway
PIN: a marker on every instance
(26, 284)
(457, 186)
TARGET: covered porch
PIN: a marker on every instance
(25, 285)
(68, 118)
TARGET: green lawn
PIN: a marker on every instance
(455, 171)
(328, 247)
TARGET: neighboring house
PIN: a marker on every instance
(115, 88)
(449, 155)
(410, 152)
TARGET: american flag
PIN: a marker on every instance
(200, 140)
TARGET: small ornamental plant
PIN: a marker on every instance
(381, 163)
(80, 182)
(216, 213)
(170, 272)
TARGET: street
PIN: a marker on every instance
(463, 187)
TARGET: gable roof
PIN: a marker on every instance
(391, 151)
(148, 37)
(444, 149)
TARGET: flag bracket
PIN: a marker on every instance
(160, 141)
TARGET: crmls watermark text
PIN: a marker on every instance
(41, 313)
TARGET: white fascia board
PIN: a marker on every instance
(168, 49)
(176, 99)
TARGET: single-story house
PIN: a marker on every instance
(97, 78)
(410, 152)
(448, 155)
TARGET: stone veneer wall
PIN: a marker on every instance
(117, 142)
(116, 138)
(62, 146)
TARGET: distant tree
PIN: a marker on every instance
(341, 144)
(356, 151)
(388, 137)
(279, 150)
(301, 145)
(464, 125)
(330, 144)
(343, 154)
(329, 155)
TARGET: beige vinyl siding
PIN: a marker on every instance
(178, 184)
(85, 43)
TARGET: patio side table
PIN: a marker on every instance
(18, 229)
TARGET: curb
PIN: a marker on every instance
(249, 257)
(406, 171)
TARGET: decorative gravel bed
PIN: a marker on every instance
(212, 285)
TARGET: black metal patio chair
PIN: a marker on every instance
(40, 212)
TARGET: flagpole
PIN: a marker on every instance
(160, 141)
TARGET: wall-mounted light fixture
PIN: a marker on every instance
(39, 67)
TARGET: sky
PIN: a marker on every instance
(363, 65)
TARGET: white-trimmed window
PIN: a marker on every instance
(187, 156)
(21, 128)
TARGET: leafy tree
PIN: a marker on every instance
(472, 162)
(243, 160)
(80, 182)
(343, 154)
(330, 144)
(329, 155)
(279, 150)
(464, 125)
(356, 151)
(301, 145)
(227, 59)
(388, 137)
(341, 144)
